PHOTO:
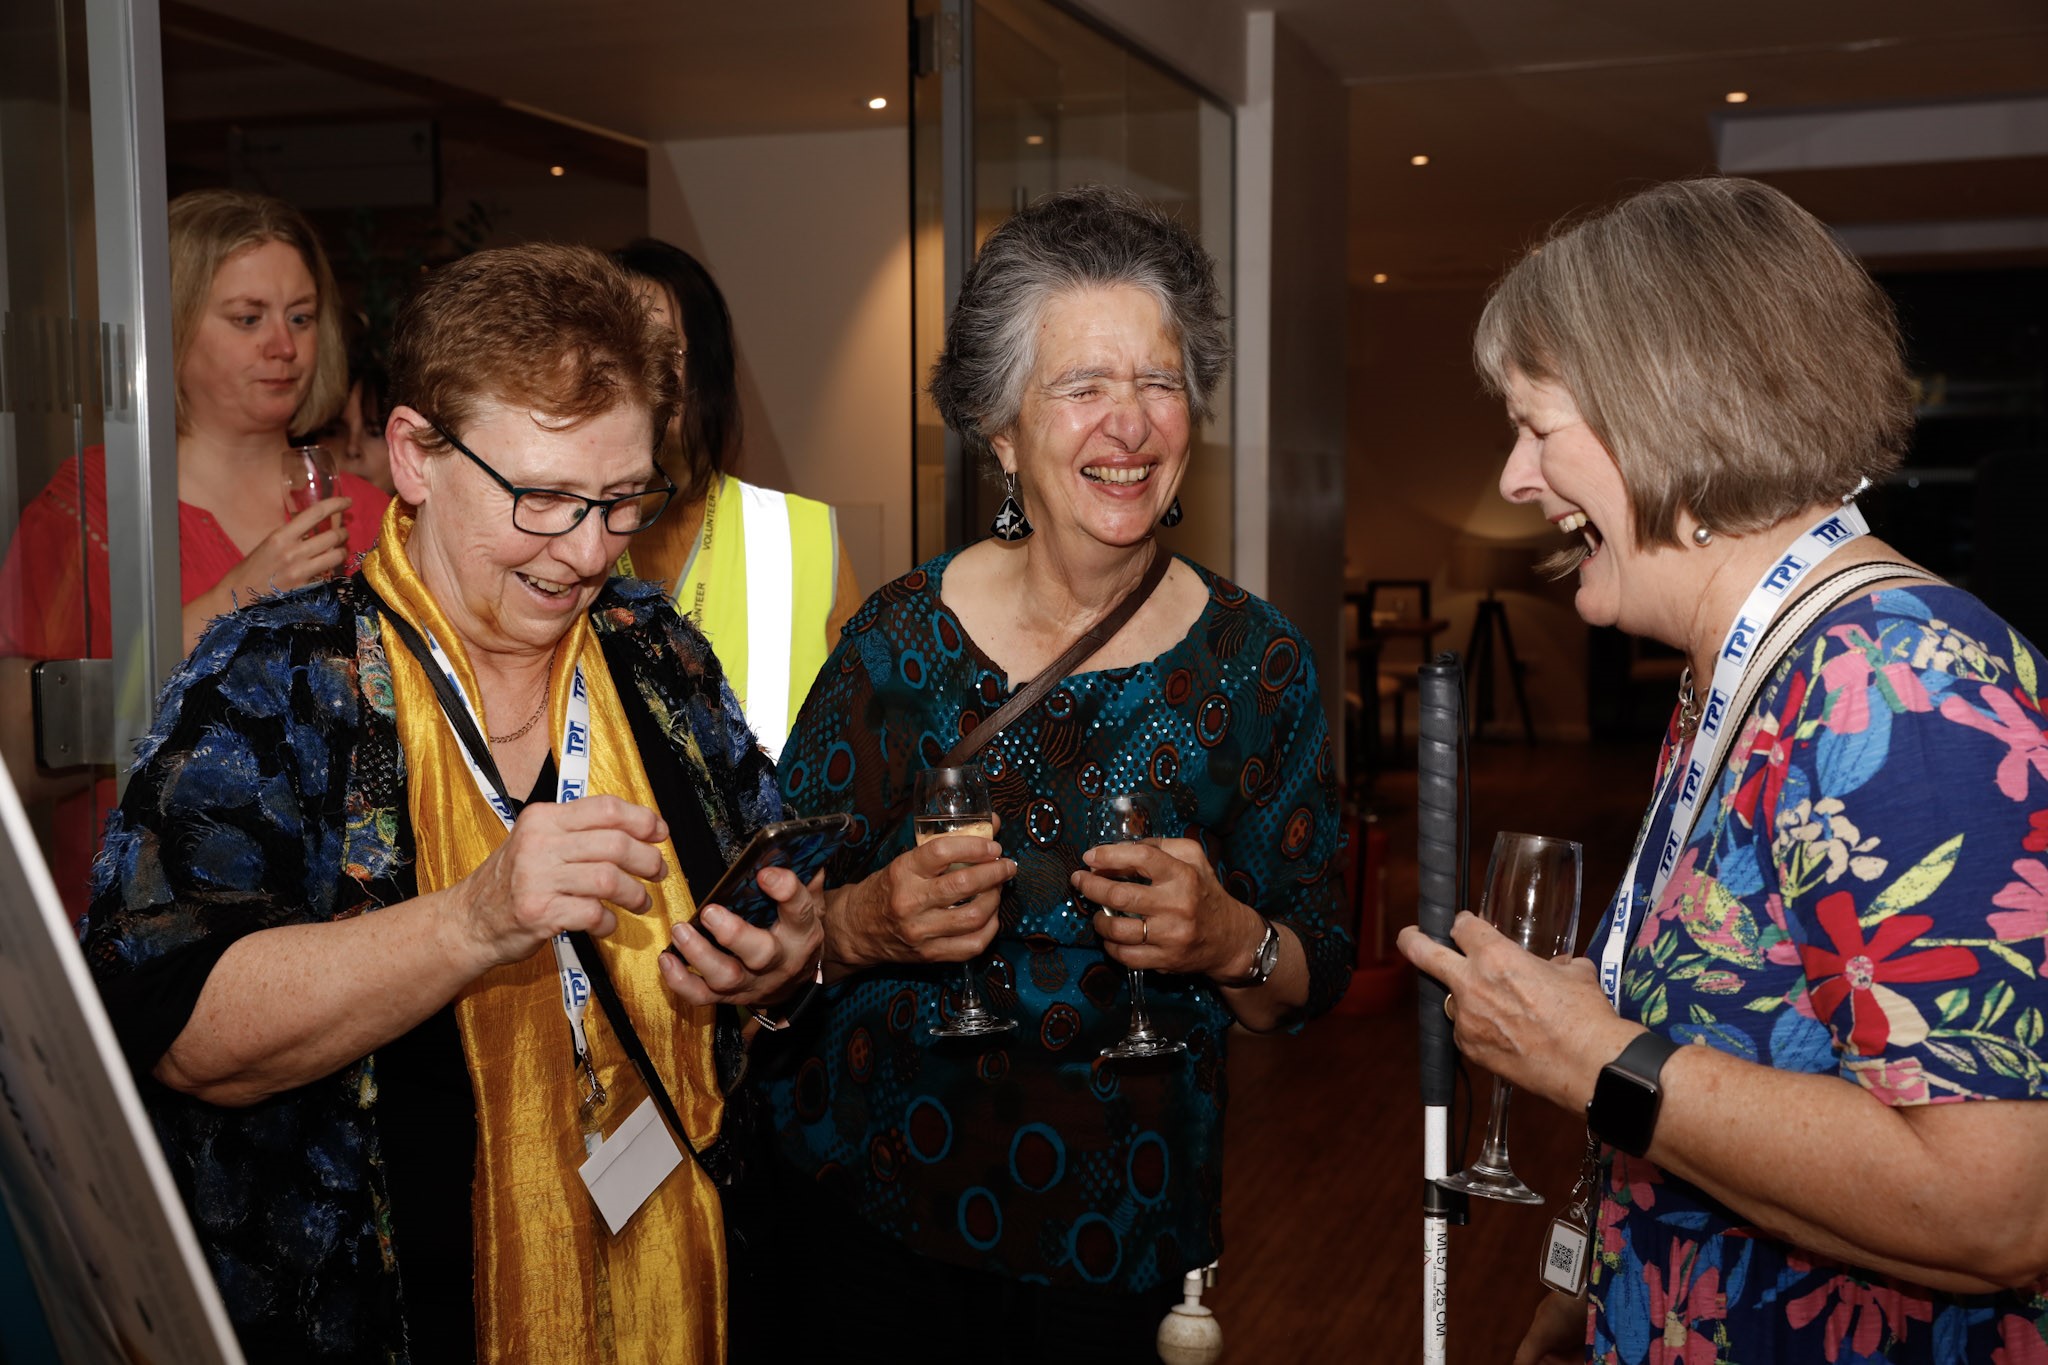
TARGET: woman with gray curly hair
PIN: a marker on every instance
(1027, 1192)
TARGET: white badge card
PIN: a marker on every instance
(1564, 1258)
(630, 1165)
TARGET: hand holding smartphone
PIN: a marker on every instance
(803, 846)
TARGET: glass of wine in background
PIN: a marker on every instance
(1121, 820)
(955, 801)
(1532, 896)
(308, 477)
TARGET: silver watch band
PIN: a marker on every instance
(1264, 959)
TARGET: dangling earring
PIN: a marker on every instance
(1010, 523)
(1173, 515)
(1702, 537)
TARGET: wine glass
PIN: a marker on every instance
(1532, 896)
(308, 477)
(955, 801)
(1122, 820)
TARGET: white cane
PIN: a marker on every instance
(1441, 855)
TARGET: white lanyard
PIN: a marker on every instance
(572, 781)
(1737, 657)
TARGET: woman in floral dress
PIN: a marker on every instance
(1809, 1032)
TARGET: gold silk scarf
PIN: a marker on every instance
(552, 1282)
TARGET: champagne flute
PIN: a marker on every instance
(1532, 896)
(955, 801)
(1119, 820)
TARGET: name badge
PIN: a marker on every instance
(630, 1165)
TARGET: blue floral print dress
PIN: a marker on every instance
(1864, 896)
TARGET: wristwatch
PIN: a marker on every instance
(1623, 1110)
(1264, 960)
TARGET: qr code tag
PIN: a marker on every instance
(1564, 1257)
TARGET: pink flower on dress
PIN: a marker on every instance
(1856, 970)
(2026, 907)
(1896, 1081)
(1678, 1303)
(1686, 885)
(1870, 1308)
(1784, 952)
(2025, 744)
(1847, 679)
(2019, 1343)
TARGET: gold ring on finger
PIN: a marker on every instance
(1144, 931)
(1450, 1007)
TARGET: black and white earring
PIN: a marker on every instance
(1173, 515)
(1010, 523)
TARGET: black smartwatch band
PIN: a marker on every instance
(1626, 1098)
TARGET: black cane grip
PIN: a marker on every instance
(1441, 732)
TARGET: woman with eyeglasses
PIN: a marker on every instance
(383, 920)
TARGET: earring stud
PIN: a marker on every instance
(1702, 537)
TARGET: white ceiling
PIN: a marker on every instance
(1527, 108)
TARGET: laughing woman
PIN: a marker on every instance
(1812, 1050)
(1038, 1202)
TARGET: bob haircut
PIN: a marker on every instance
(1093, 237)
(555, 330)
(210, 226)
(711, 394)
(1734, 360)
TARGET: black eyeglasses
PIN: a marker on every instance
(556, 512)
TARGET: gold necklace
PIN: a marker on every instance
(538, 707)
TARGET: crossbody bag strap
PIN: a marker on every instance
(1791, 626)
(586, 950)
(1094, 638)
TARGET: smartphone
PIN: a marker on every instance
(803, 846)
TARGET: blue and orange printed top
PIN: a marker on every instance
(1030, 1157)
(1866, 897)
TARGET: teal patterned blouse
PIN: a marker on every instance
(1030, 1157)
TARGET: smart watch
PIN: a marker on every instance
(1623, 1110)
(1264, 960)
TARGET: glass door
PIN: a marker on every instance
(88, 530)
(50, 415)
(1015, 99)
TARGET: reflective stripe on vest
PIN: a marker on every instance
(770, 588)
(760, 587)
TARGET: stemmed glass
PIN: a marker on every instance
(955, 801)
(1120, 820)
(1532, 896)
(308, 477)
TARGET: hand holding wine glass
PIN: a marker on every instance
(1531, 896)
(308, 472)
(1121, 819)
(955, 801)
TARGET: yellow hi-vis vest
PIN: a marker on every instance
(760, 586)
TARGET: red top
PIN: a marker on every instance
(54, 607)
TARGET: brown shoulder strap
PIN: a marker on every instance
(1092, 639)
